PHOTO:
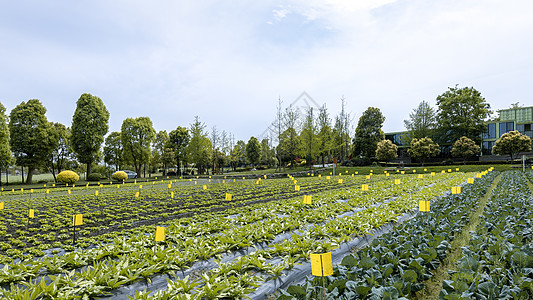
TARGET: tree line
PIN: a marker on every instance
(30, 141)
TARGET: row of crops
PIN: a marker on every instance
(497, 262)
(213, 248)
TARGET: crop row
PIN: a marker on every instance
(398, 263)
(176, 253)
(498, 261)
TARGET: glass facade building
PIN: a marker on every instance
(518, 118)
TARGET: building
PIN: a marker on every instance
(517, 118)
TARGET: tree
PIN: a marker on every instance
(309, 136)
(423, 149)
(289, 145)
(341, 134)
(324, 134)
(6, 157)
(461, 112)
(511, 143)
(62, 152)
(464, 148)
(238, 155)
(386, 150)
(32, 136)
(199, 146)
(113, 150)
(136, 136)
(279, 129)
(215, 139)
(160, 142)
(421, 122)
(178, 140)
(266, 153)
(253, 150)
(89, 126)
(368, 133)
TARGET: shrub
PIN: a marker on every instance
(94, 177)
(68, 177)
(120, 176)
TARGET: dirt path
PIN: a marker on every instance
(434, 285)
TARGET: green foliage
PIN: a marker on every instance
(289, 145)
(136, 136)
(113, 150)
(325, 140)
(5, 150)
(253, 150)
(309, 136)
(32, 136)
(423, 149)
(62, 152)
(89, 125)
(368, 133)
(386, 150)
(94, 177)
(119, 176)
(199, 147)
(421, 122)
(512, 143)
(178, 141)
(464, 148)
(461, 112)
(68, 177)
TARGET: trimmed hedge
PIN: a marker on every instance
(94, 177)
(68, 177)
(120, 176)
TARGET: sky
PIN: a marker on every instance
(228, 62)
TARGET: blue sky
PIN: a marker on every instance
(229, 61)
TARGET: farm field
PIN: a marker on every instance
(231, 239)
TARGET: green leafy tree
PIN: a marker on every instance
(341, 134)
(386, 150)
(160, 141)
(461, 112)
(368, 133)
(253, 150)
(512, 143)
(289, 146)
(267, 153)
(89, 126)
(199, 147)
(178, 140)
(113, 150)
(136, 136)
(6, 157)
(238, 155)
(32, 136)
(309, 136)
(325, 140)
(421, 122)
(423, 148)
(464, 148)
(62, 152)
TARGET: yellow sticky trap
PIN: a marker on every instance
(423, 205)
(364, 188)
(328, 177)
(449, 170)
(53, 184)
(387, 174)
(140, 186)
(47, 191)
(443, 171)
(77, 220)
(197, 177)
(69, 192)
(233, 180)
(223, 181)
(22, 189)
(297, 188)
(368, 176)
(209, 176)
(432, 173)
(195, 182)
(135, 181)
(31, 213)
(420, 176)
(414, 171)
(209, 180)
(243, 178)
(96, 193)
(1, 205)
(320, 175)
(402, 172)
(159, 234)
(136, 194)
(118, 186)
(321, 264)
(340, 180)
(204, 187)
(456, 169)
(265, 176)
(425, 170)
(456, 190)
(228, 197)
(307, 199)
(44, 185)
(470, 180)
(396, 181)
(371, 171)
(31, 190)
(478, 175)
(172, 195)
